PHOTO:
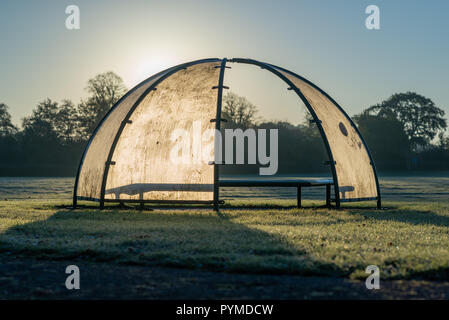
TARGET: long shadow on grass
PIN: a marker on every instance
(178, 238)
(197, 239)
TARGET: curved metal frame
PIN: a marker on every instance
(379, 201)
(170, 71)
(312, 112)
(75, 188)
(131, 111)
(167, 72)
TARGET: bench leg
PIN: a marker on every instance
(298, 198)
(216, 205)
(328, 195)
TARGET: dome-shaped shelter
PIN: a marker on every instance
(127, 157)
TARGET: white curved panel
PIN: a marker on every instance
(92, 169)
(143, 168)
(355, 174)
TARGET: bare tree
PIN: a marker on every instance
(239, 110)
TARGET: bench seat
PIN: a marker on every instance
(280, 182)
(274, 182)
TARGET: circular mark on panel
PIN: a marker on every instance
(343, 129)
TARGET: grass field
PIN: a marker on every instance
(407, 241)
(428, 186)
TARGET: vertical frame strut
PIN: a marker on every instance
(217, 129)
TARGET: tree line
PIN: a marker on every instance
(406, 131)
(51, 140)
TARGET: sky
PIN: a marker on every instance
(324, 41)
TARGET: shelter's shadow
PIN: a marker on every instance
(185, 239)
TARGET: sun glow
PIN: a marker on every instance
(149, 65)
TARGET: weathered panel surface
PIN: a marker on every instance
(91, 174)
(355, 174)
(143, 167)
